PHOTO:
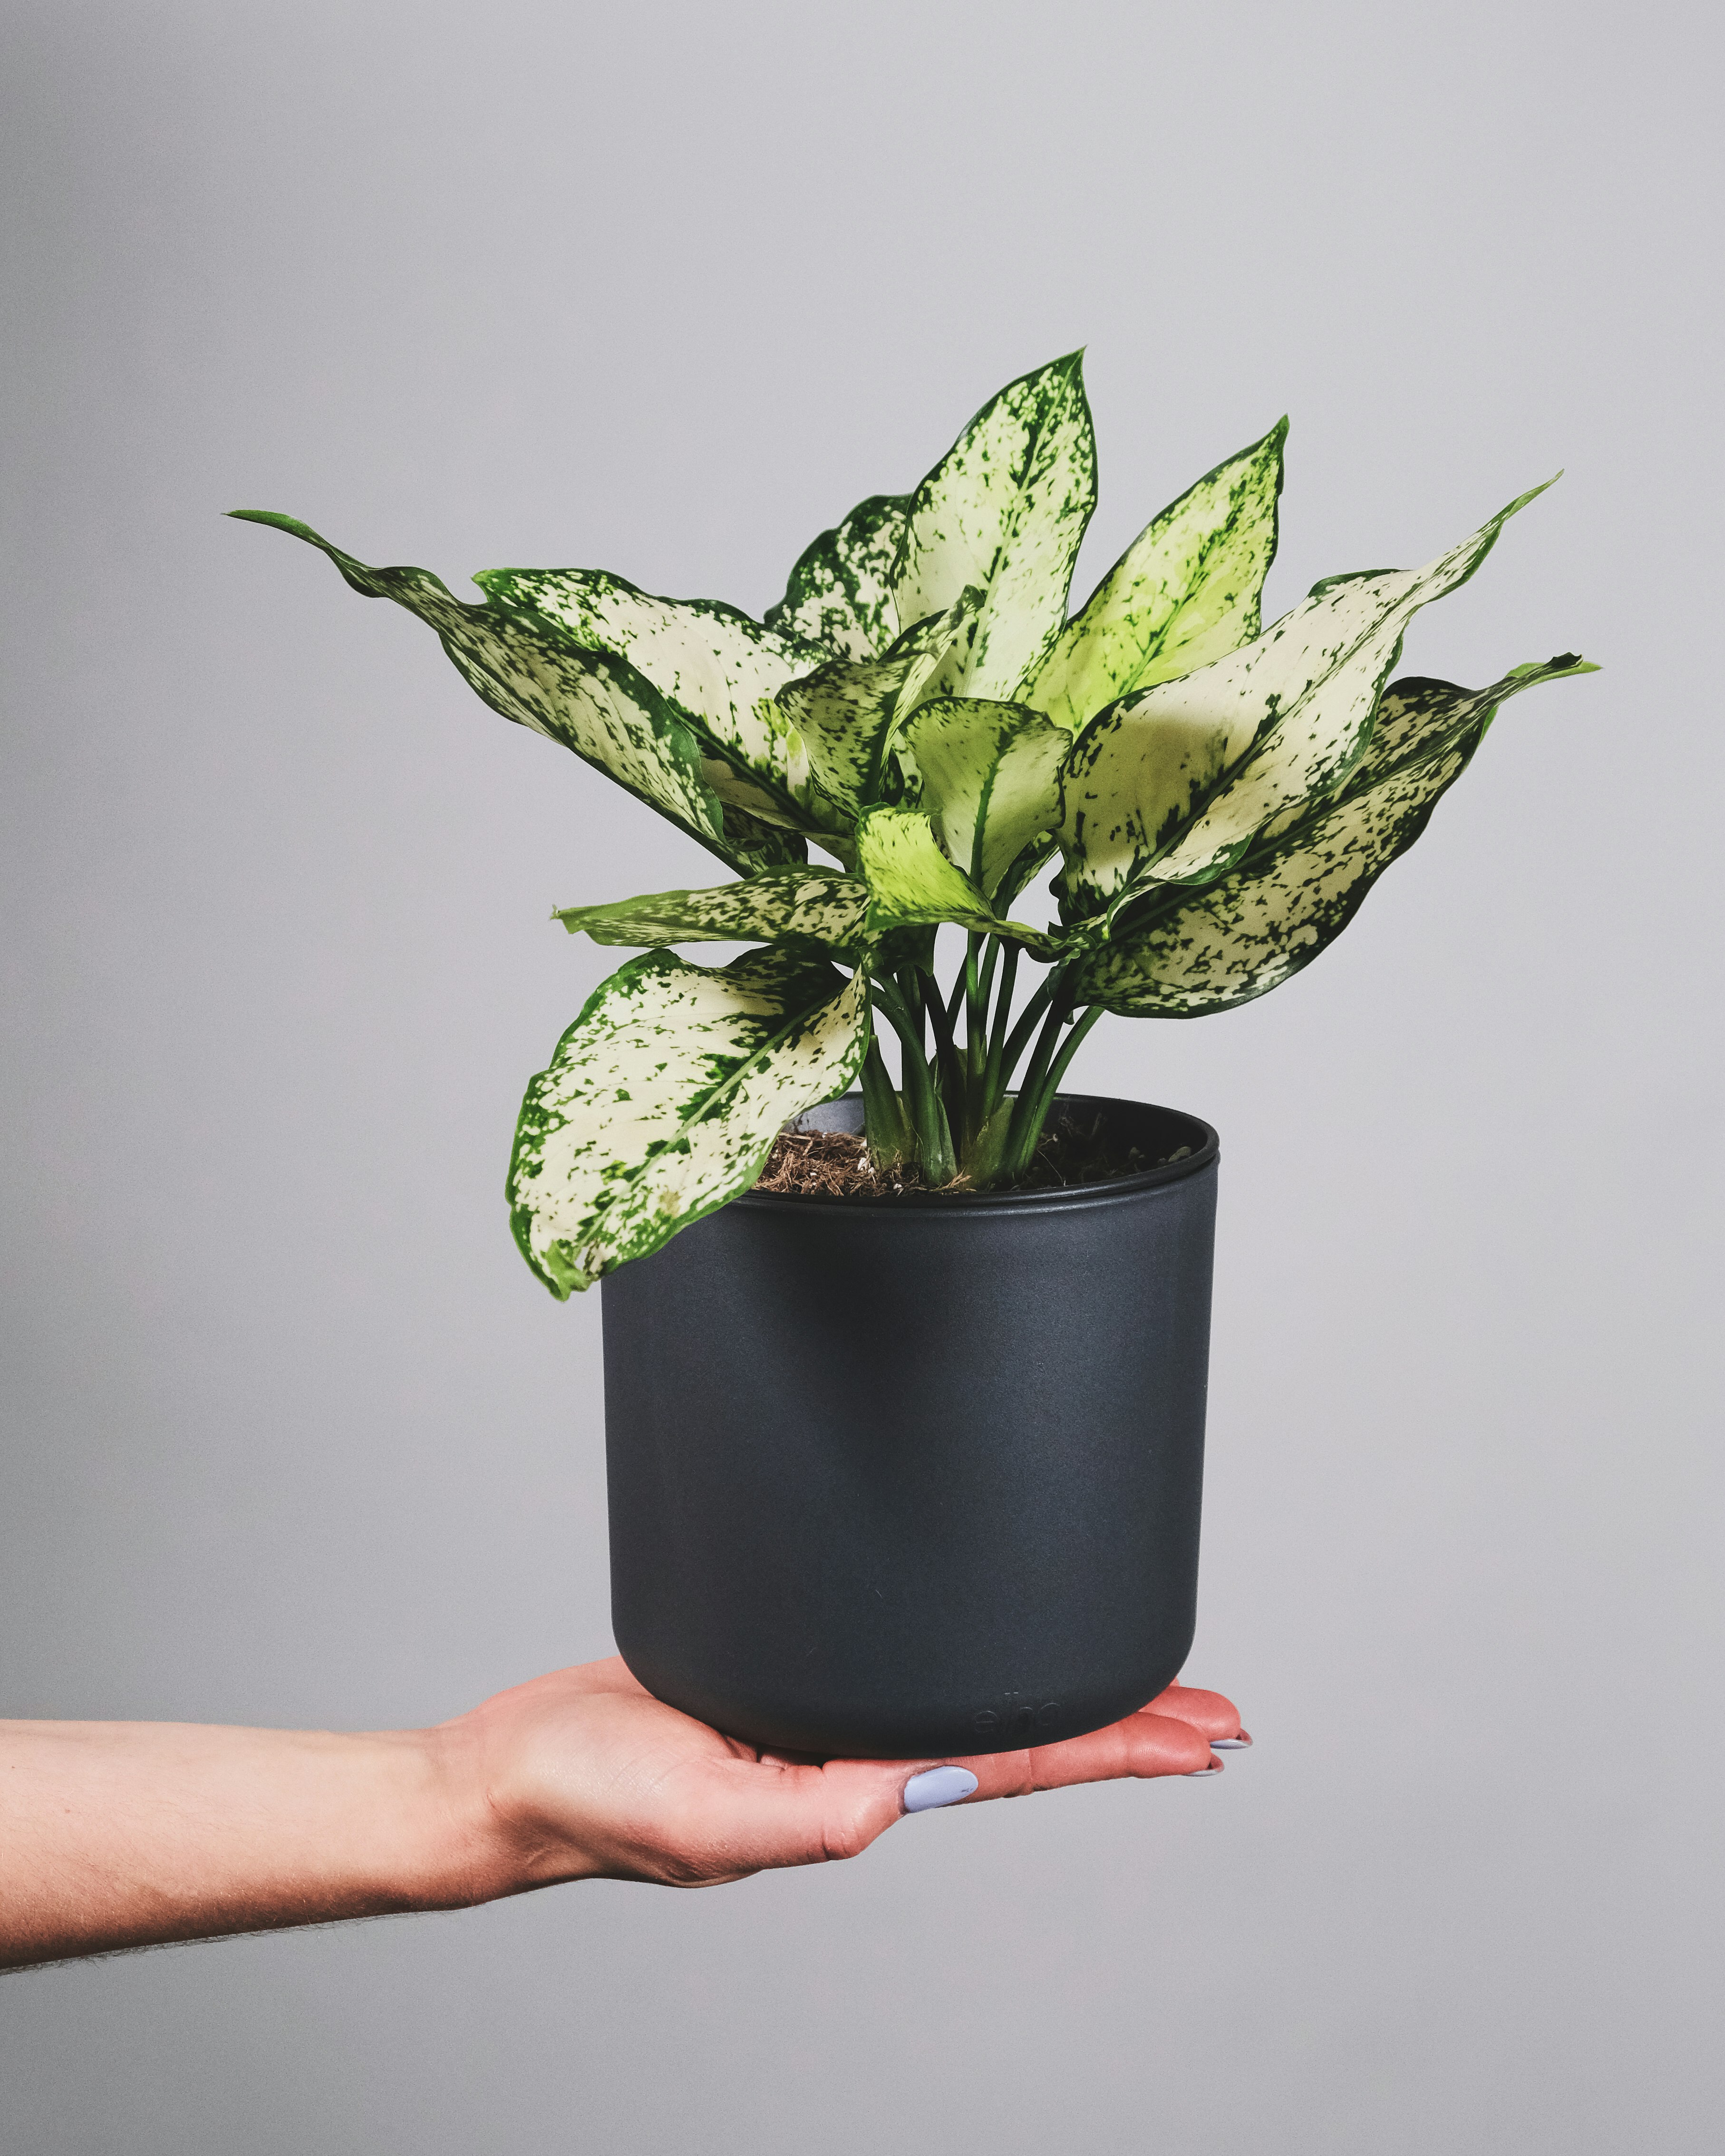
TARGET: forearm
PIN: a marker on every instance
(115, 1834)
(118, 1834)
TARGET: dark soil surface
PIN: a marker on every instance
(836, 1164)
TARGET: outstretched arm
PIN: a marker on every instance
(116, 1835)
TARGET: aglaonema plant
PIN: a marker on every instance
(920, 708)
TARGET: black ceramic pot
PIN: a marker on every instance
(900, 1478)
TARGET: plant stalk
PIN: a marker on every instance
(993, 1067)
(888, 1134)
(956, 1111)
(927, 1114)
(1019, 1038)
(1041, 1086)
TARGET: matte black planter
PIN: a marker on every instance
(895, 1478)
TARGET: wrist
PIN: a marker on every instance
(463, 1851)
(515, 1809)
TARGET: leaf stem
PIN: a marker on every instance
(957, 997)
(975, 1043)
(888, 1134)
(1070, 1048)
(927, 1114)
(985, 987)
(908, 983)
(945, 1056)
(1019, 1039)
(1041, 1087)
(1030, 1109)
(993, 1077)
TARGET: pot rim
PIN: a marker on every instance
(1203, 1155)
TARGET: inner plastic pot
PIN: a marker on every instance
(914, 1476)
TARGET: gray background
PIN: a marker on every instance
(292, 1437)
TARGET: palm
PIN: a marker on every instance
(600, 1779)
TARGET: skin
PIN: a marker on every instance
(122, 1834)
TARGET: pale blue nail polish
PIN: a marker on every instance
(938, 1785)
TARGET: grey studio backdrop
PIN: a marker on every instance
(292, 1437)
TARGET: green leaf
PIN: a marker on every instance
(814, 903)
(990, 780)
(752, 842)
(1025, 869)
(1184, 592)
(1175, 783)
(664, 1099)
(593, 702)
(911, 881)
(1191, 952)
(719, 671)
(848, 713)
(1005, 510)
(840, 591)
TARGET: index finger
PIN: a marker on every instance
(1141, 1748)
(1215, 1715)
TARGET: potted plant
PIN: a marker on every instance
(909, 1461)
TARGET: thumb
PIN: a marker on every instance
(782, 1814)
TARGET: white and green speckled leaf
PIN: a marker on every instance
(817, 904)
(664, 1099)
(848, 714)
(1187, 590)
(1130, 787)
(719, 671)
(1196, 951)
(840, 591)
(593, 702)
(912, 883)
(989, 778)
(1005, 510)
(1175, 783)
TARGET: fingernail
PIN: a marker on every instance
(1241, 1743)
(936, 1786)
(1197, 1774)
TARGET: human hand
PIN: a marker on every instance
(583, 1775)
(117, 1835)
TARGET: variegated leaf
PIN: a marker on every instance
(753, 841)
(593, 702)
(1186, 591)
(1194, 952)
(911, 881)
(1024, 870)
(989, 778)
(1005, 509)
(664, 1099)
(719, 671)
(1175, 783)
(814, 903)
(1130, 787)
(847, 714)
(840, 591)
